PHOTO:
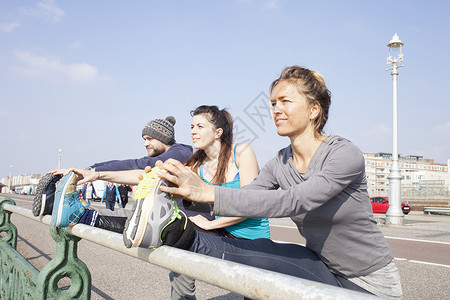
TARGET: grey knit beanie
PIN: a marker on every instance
(162, 130)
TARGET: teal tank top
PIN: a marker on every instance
(250, 229)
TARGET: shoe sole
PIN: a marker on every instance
(135, 232)
(40, 200)
(61, 189)
(156, 224)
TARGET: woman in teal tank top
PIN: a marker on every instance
(244, 229)
(219, 162)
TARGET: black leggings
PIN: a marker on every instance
(289, 259)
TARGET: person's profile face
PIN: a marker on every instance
(291, 111)
(154, 147)
(203, 132)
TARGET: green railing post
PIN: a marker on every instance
(17, 275)
(65, 264)
(6, 225)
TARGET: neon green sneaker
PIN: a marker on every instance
(151, 213)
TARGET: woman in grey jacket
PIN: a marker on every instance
(319, 181)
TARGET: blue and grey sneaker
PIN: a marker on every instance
(67, 208)
(45, 195)
(152, 212)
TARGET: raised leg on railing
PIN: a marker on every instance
(66, 264)
(6, 225)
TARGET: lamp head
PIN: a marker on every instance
(395, 42)
(395, 50)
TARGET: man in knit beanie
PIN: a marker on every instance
(159, 140)
(159, 135)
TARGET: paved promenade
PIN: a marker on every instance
(421, 249)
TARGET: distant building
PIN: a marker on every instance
(421, 177)
(27, 184)
(21, 184)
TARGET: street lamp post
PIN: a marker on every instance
(59, 159)
(394, 215)
(10, 178)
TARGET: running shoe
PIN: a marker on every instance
(67, 208)
(151, 213)
(45, 195)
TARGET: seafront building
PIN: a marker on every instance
(20, 184)
(27, 184)
(422, 177)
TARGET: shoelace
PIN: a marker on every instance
(177, 214)
(146, 184)
(70, 198)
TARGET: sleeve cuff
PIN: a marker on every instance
(217, 204)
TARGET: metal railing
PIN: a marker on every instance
(248, 281)
(438, 210)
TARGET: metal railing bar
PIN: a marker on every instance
(429, 209)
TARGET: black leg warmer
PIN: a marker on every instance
(111, 223)
(179, 234)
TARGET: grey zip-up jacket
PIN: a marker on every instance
(329, 204)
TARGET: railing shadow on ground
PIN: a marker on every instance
(20, 280)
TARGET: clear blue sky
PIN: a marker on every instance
(86, 76)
